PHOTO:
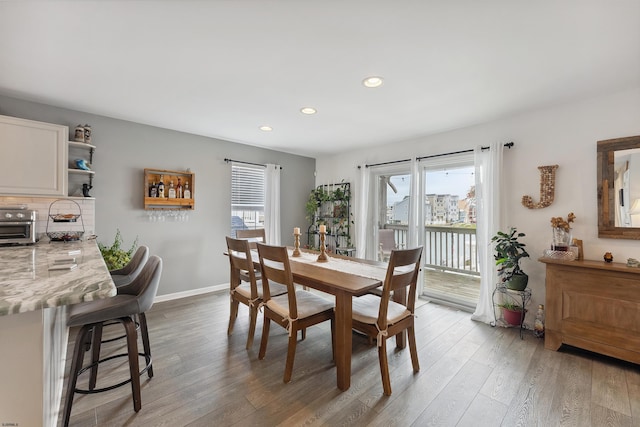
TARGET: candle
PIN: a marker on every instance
(323, 228)
(296, 230)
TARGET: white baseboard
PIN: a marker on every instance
(178, 295)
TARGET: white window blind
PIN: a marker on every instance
(247, 188)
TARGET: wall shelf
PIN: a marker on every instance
(78, 177)
(152, 176)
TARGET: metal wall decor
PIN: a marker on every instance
(547, 188)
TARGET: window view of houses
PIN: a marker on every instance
(450, 198)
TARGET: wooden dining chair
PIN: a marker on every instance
(247, 292)
(296, 310)
(380, 317)
(253, 236)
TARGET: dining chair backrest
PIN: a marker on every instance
(239, 251)
(254, 236)
(402, 272)
(275, 266)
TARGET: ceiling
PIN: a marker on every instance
(224, 68)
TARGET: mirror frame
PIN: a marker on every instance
(606, 191)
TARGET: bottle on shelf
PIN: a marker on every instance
(153, 190)
(161, 187)
(538, 325)
(172, 190)
(187, 192)
(179, 190)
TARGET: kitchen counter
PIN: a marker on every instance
(27, 284)
(33, 323)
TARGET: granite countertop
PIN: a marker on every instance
(27, 283)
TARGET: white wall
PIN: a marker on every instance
(565, 135)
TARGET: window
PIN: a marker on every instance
(247, 198)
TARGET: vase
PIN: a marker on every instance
(513, 317)
(561, 239)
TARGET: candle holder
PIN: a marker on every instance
(323, 254)
(296, 244)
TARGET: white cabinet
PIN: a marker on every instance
(33, 158)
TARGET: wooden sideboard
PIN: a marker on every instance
(593, 305)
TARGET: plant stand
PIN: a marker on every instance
(502, 293)
(330, 204)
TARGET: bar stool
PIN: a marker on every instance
(123, 277)
(91, 316)
(126, 274)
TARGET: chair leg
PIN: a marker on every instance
(303, 334)
(333, 338)
(134, 370)
(232, 315)
(384, 367)
(87, 343)
(265, 337)
(145, 340)
(291, 355)
(411, 333)
(253, 317)
(76, 365)
(95, 354)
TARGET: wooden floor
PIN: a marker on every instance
(471, 375)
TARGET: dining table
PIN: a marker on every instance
(345, 278)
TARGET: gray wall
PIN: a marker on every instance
(192, 251)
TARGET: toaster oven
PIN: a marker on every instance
(17, 225)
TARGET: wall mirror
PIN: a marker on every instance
(619, 188)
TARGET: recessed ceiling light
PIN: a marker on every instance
(308, 110)
(372, 81)
(266, 128)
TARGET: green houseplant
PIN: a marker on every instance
(114, 256)
(508, 253)
(512, 313)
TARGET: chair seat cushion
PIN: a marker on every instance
(102, 310)
(244, 289)
(366, 308)
(308, 304)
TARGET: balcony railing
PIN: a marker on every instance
(446, 248)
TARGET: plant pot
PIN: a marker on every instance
(518, 282)
(513, 317)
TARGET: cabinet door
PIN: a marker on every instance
(34, 157)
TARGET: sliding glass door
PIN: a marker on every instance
(392, 207)
(450, 260)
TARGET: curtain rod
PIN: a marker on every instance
(508, 145)
(246, 163)
(385, 163)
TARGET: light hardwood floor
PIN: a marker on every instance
(471, 375)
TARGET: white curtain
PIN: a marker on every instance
(363, 213)
(415, 203)
(488, 176)
(272, 204)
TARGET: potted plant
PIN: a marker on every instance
(512, 313)
(508, 253)
(114, 256)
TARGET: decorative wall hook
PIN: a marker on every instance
(547, 188)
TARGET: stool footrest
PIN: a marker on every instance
(100, 390)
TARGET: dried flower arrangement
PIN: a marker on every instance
(559, 222)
